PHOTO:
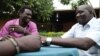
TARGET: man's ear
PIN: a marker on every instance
(91, 12)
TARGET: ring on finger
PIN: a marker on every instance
(13, 29)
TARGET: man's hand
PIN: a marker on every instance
(16, 28)
(43, 41)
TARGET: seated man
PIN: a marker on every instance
(21, 26)
(11, 46)
(84, 35)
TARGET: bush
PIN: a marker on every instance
(51, 34)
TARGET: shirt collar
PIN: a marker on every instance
(18, 22)
(91, 21)
(89, 24)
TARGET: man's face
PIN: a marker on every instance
(82, 15)
(26, 16)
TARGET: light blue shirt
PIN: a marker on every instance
(90, 30)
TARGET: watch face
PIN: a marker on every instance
(45, 44)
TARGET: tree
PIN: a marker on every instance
(42, 9)
(75, 3)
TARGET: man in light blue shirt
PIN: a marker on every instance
(84, 35)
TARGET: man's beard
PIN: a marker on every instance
(25, 20)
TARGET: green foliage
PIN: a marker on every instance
(75, 3)
(65, 1)
(42, 9)
(51, 34)
(78, 3)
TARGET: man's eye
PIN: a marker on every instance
(29, 14)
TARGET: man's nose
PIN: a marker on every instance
(29, 17)
(77, 15)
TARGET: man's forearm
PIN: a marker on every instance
(27, 43)
(73, 42)
(25, 32)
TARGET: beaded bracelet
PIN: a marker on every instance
(14, 42)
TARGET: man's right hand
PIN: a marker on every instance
(16, 28)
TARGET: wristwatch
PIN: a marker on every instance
(47, 42)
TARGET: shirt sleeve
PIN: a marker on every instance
(33, 28)
(69, 33)
(4, 30)
(94, 34)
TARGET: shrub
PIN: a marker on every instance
(51, 34)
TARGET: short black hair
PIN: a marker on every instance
(88, 7)
(21, 10)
